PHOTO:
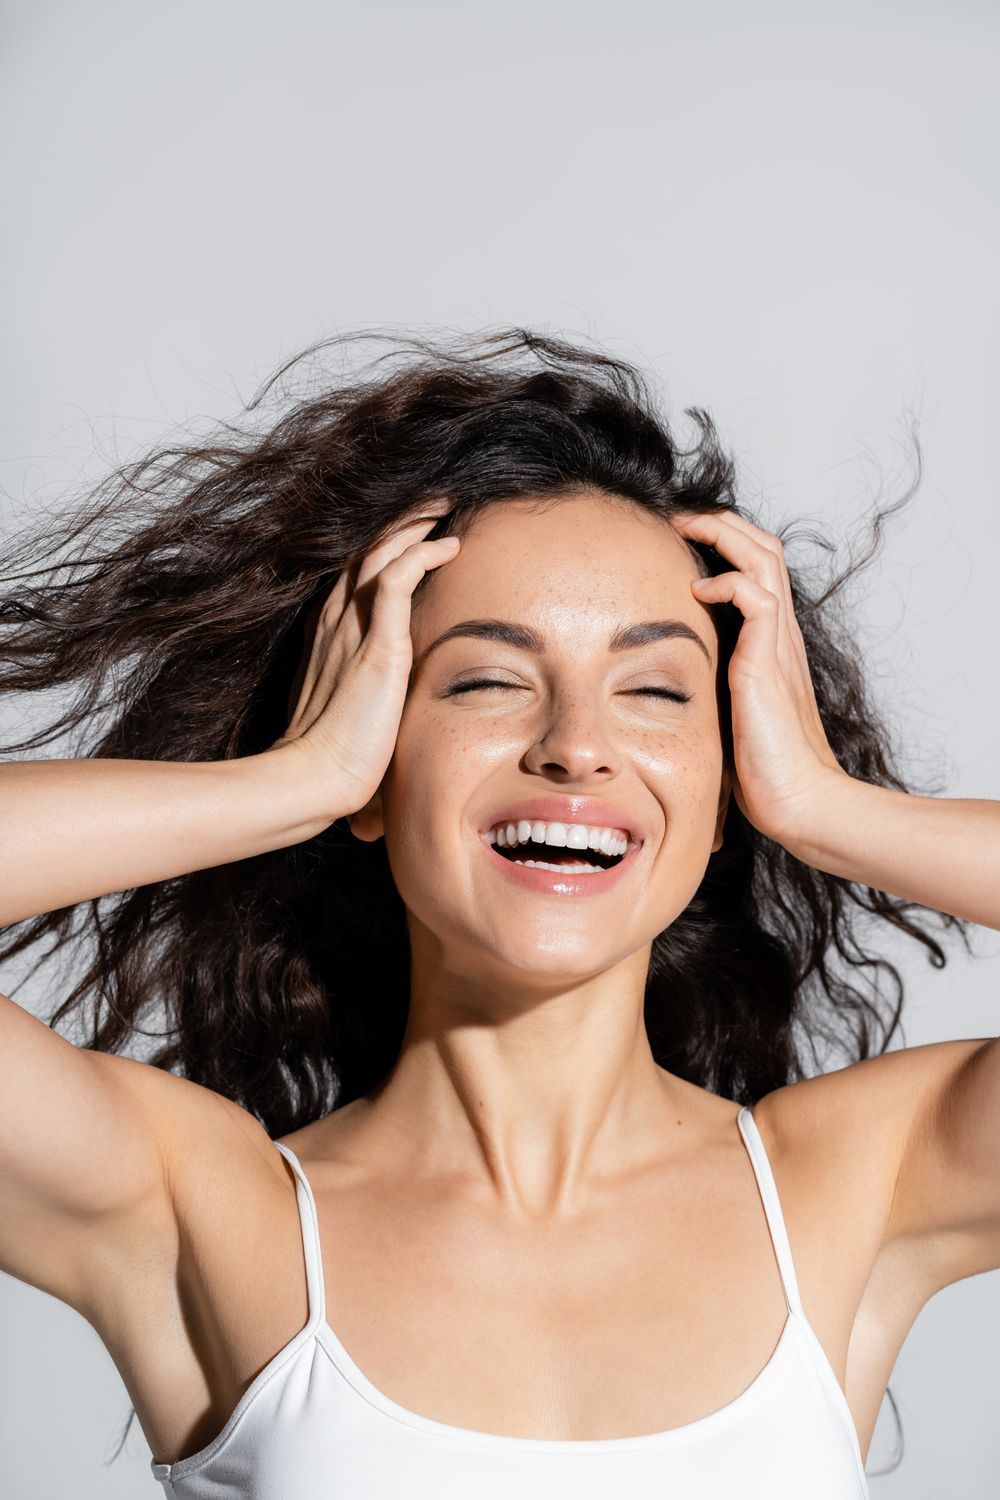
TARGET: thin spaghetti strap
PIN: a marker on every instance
(772, 1209)
(309, 1224)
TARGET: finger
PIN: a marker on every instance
(335, 639)
(741, 543)
(349, 611)
(334, 612)
(336, 625)
(792, 651)
(321, 616)
(401, 537)
(733, 517)
(773, 544)
(332, 606)
(762, 561)
(430, 511)
(760, 608)
(391, 605)
(776, 546)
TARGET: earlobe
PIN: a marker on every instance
(367, 823)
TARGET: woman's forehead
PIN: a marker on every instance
(574, 548)
(561, 580)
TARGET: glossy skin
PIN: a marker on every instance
(525, 1060)
(472, 1208)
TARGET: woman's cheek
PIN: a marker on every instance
(690, 780)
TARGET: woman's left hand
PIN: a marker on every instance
(784, 763)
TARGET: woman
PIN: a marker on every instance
(490, 895)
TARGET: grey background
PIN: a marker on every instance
(788, 211)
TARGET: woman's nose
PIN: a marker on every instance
(576, 741)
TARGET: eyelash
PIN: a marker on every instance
(478, 682)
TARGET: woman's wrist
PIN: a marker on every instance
(299, 803)
(825, 834)
(940, 852)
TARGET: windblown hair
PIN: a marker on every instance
(181, 616)
(176, 599)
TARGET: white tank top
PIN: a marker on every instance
(311, 1426)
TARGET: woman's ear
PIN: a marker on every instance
(723, 808)
(367, 824)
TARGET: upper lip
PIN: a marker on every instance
(553, 809)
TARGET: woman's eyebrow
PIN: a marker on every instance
(523, 638)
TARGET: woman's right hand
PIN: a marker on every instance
(354, 675)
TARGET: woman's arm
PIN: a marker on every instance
(943, 852)
(940, 1102)
(71, 830)
(939, 851)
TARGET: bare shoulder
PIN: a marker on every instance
(170, 1278)
(876, 1104)
(882, 1124)
(214, 1150)
(186, 1118)
(91, 1146)
(208, 1147)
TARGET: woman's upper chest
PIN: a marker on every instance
(654, 1306)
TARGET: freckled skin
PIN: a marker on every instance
(483, 950)
(566, 727)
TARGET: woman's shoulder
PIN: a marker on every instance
(873, 1133)
(878, 1099)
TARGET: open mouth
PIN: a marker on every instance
(548, 854)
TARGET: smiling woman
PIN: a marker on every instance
(463, 743)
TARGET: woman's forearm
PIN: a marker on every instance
(71, 830)
(943, 852)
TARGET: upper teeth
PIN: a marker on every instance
(560, 836)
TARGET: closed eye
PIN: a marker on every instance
(489, 682)
(663, 693)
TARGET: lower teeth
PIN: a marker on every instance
(540, 864)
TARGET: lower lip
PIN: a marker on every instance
(548, 883)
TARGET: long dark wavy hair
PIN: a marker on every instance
(175, 602)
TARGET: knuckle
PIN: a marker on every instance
(385, 656)
(393, 575)
(774, 568)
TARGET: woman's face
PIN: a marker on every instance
(566, 722)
